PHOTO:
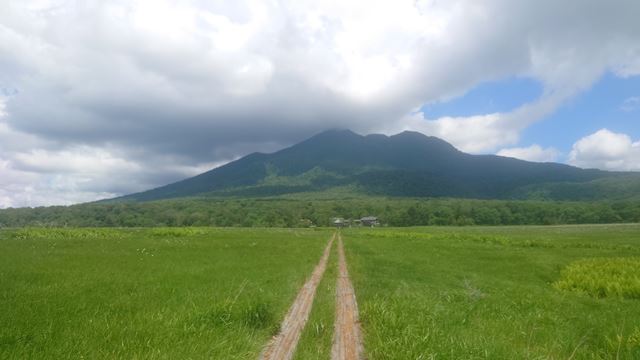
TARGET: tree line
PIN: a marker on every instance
(279, 212)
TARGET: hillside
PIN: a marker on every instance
(408, 164)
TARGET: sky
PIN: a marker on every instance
(103, 98)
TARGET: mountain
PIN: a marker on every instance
(406, 164)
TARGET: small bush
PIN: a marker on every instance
(603, 277)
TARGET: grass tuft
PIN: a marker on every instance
(603, 277)
(259, 315)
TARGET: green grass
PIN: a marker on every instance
(603, 277)
(488, 293)
(156, 293)
(423, 293)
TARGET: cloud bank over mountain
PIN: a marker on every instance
(605, 149)
(104, 98)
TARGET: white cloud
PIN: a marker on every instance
(534, 152)
(21, 188)
(81, 160)
(68, 176)
(606, 150)
(480, 133)
(473, 134)
(144, 86)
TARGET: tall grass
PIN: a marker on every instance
(148, 294)
(603, 277)
(488, 293)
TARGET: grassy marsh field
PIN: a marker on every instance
(535, 292)
(179, 293)
(497, 292)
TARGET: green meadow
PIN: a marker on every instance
(521, 292)
(180, 293)
(557, 292)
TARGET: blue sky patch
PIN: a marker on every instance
(612, 103)
(602, 106)
(487, 98)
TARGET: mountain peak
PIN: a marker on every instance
(336, 133)
(406, 164)
(433, 143)
(410, 133)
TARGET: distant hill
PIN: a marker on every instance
(408, 164)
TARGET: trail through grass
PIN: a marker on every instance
(423, 293)
(315, 343)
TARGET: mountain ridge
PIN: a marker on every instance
(407, 164)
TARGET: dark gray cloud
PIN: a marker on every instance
(152, 91)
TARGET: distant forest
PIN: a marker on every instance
(278, 212)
